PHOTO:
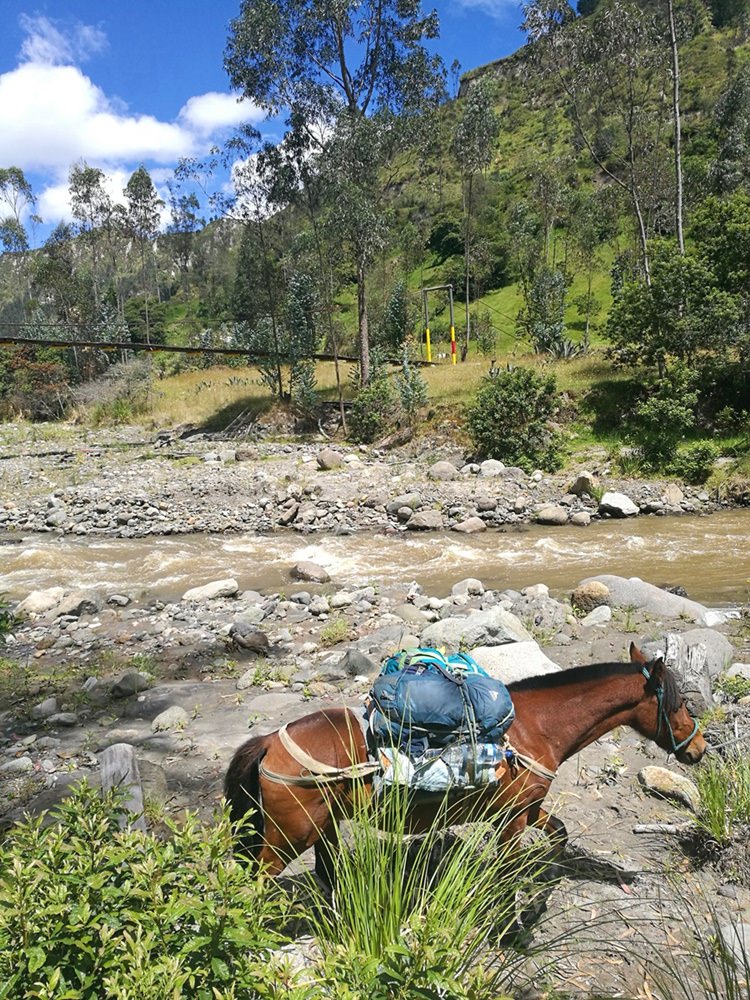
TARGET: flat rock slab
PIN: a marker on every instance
(515, 661)
(276, 701)
(212, 591)
(635, 593)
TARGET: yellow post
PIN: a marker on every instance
(428, 345)
(453, 344)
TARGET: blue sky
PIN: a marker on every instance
(126, 82)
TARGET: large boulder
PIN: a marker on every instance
(212, 591)
(554, 514)
(585, 484)
(329, 459)
(311, 571)
(635, 593)
(514, 661)
(82, 602)
(588, 596)
(442, 472)
(39, 601)
(617, 505)
(471, 526)
(425, 520)
(481, 628)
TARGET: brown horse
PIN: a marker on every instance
(300, 783)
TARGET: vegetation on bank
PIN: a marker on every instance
(588, 200)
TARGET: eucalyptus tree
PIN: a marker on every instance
(184, 223)
(17, 202)
(90, 206)
(611, 68)
(142, 221)
(474, 145)
(340, 64)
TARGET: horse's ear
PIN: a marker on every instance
(636, 656)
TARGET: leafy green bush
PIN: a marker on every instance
(695, 463)
(660, 420)
(735, 687)
(8, 618)
(88, 910)
(510, 419)
(373, 409)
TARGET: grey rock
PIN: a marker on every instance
(425, 520)
(617, 505)
(469, 586)
(56, 518)
(485, 504)
(77, 604)
(635, 593)
(354, 663)
(553, 515)
(585, 483)
(119, 600)
(408, 613)
(410, 500)
(673, 495)
(514, 661)
(491, 469)
(65, 719)
(40, 601)
(132, 682)
(17, 765)
(253, 615)
(599, 616)
(668, 784)
(310, 571)
(44, 709)
(581, 519)
(736, 938)
(471, 526)
(442, 472)
(174, 717)
(248, 637)
(319, 605)
(739, 670)
(481, 628)
(341, 600)
(329, 459)
(212, 591)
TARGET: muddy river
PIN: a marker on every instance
(709, 556)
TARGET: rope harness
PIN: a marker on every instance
(663, 719)
(315, 772)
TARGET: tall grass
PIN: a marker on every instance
(422, 917)
(724, 786)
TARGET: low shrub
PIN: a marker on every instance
(695, 463)
(510, 416)
(88, 910)
(372, 410)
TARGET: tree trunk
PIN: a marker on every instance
(467, 268)
(677, 126)
(364, 333)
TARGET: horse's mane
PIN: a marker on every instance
(672, 696)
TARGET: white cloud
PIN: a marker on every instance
(213, 111)
(48, 44)
(52, 114)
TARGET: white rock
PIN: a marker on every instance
(617, 505)
(39, 601)
(491, 468)
(211, 591)
(174, 717)
(599, 616)
(514, 661)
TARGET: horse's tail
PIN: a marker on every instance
(242, 792)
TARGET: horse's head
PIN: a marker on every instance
(662, 714)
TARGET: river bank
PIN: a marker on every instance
(120, 647)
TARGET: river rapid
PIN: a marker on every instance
(709, 556)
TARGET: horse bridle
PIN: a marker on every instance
(661, 714)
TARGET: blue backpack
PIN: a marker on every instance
(423, 699)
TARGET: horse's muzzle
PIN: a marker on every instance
(694, 751)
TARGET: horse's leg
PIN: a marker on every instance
(555, 829)
(325, 856)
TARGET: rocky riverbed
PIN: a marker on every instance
(119, 484)
(185, 681)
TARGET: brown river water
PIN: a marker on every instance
(708, 556)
